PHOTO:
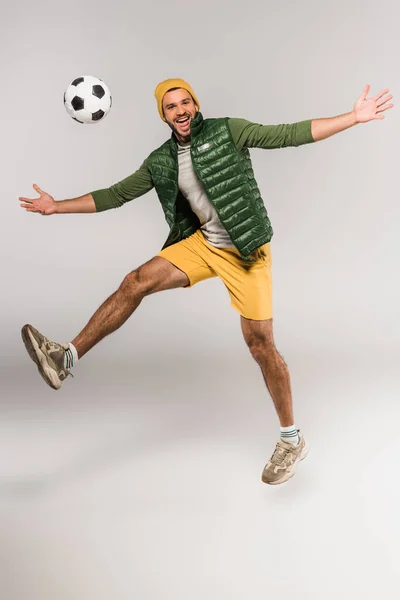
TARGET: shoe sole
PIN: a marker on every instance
(39, 358)
(292, 472)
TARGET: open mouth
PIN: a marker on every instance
(184, 122)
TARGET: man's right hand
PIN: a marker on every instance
(45, 204)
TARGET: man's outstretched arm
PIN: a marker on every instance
(253, 135)
(129, 188)
(364, 110)
(46, 205)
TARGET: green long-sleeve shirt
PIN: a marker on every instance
(244, 133)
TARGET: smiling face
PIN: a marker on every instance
(179, 109)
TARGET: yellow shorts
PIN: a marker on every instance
(249, 283)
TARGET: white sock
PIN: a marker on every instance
(290, 435)
(71, 356)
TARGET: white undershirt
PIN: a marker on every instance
(191, 188)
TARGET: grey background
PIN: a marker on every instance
(141, 477)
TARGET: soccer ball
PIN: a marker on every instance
(87, 99)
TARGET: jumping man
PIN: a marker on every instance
(219, 227)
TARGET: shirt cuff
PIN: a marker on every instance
(303, 133)
(103, 200)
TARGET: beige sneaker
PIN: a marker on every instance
(48, 355)
(283, 462)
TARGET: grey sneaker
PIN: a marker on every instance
(48, 356)
(283, 462)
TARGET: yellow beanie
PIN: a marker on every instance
(166, 85)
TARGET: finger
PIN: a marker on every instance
(384, 100)
(32, 203)
(22, 199)
(380, 117)
(37, 188)
(32, 210)
(382, 93)
(365, 92)
(26, 205)
(382, 108)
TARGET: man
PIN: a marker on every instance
(218, 227)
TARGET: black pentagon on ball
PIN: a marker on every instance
(77, 81)
(77, 103)
(98, 91)
(99, 114)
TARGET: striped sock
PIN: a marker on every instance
(70, 357)
(290, 435)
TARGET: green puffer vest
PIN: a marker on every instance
(228, 180)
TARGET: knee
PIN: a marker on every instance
(133, 284)
(263, 350)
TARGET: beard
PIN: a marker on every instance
(183, 136)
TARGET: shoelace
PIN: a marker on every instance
(51, 346)
(54, 346)
(279, 455)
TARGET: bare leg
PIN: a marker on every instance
(260, 340)
(154, 276)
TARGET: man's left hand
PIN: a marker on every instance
(368, 109)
